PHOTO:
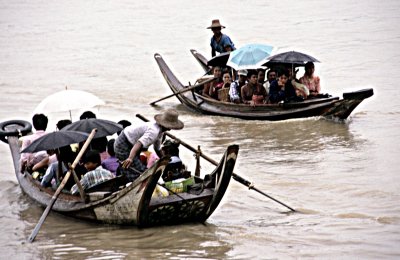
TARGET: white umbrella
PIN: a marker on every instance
(67, 100)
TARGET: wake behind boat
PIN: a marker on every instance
(117, 201)
(329, 107)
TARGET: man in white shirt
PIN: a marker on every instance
(234, 90)
(133, 138)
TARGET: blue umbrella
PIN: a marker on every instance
(250, 56)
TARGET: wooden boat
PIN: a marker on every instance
(330, 107)
(119, 202)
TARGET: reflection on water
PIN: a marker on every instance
(66, 238)
(13, 224)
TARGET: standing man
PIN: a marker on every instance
(219, 42)
(134, 138)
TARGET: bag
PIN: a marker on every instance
(223, 94)
(179, 185)
(258, 99)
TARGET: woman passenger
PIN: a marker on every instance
(312, 82)
(279, 90)
(226, 82)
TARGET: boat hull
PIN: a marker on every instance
(332, 107)
(132, 203)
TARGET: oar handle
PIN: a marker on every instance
(234, 175)
(241, 180)
(58, 191)
(184, 90)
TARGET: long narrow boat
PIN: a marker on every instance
(119, 202)
(330, 107)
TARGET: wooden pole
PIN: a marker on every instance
(78, 183)
(183, 90)
(234, 175)
(58, 191)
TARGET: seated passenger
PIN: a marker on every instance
(234, 90)
(65, 155)
(28, 160)
(279, 90)
(221, 90)
(208, 87)
(253, 92)
(261, 76)
(40, 168)
(271, 76)
(95, 175)
(100, 144)
(312, 82)
(175, 168)
(301, 90)
(63, 123)
(48, 157)
(87, 114)
(111, 163)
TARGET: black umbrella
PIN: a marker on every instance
(294, 58)
(104, 127)
(219, 60)
(55, 140)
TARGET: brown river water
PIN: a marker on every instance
(342, 177)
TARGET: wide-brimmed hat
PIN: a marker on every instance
(169, 119)
(215, 24)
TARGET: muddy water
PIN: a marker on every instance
(341, 177)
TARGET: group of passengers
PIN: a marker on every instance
(253, 88)
(250, 87)
(104, 159)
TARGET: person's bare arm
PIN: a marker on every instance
(41, 164)
(134, 151)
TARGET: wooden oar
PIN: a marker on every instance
(58, 191)
(234, 175)
(183, 90)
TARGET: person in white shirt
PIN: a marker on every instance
(133, 139)
(234, 90)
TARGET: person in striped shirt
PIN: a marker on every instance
(95, 175)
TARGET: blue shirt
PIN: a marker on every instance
(222, 44)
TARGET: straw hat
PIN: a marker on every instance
(215, 24)
(169, 119)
